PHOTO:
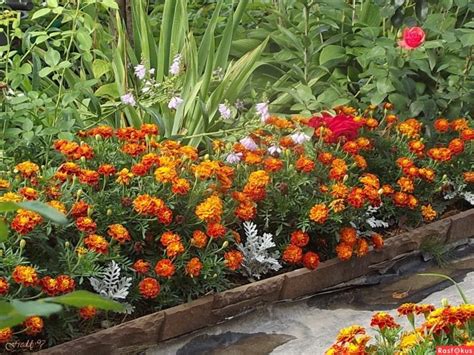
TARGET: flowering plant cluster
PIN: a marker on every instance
(172, 219)
(447, 325)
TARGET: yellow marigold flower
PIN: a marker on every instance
(25, 275)
(27, 169)
(4, 184)
(11, 197)
(58, 205)
(210, 210)
(428, 213)
(319, 213)
(124, 177)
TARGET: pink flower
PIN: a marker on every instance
(412, 38)
(342, 126)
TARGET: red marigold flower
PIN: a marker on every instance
(383, 320)
(25, 275)
(49, 285)
(377, 241)
(406, 309)
(233, 259)
(299, 238)
(139, 169)
(86, 224)
(96, 243)
(149, 287)
(441, 125)
(25, 221)
(199, 239)
(273, 164)
(348, 235)
(147, 205)
(467, 134)
(347, 335)
(149, 129)
(6, 334)
(124, 177)
(4, 286)
(319, 213)
(194, 267)
(168, 237)
(412, 37)
(119, 233)
(89, 177)
(356, 197)
(424, 309)
(246, 210)
(87, 312)
(106, 170)
(141, 266)
(360, 162)
(29, 193)
(338, 169)
(34, 325)
(344, 251)
(65, 283)
(326, 158)
(456, 146)
(292, 254)
(133, 149)
(215, 230)
(165, 268)
(310, 260)
(79, 209)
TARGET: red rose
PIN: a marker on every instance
(412, 38)
(342, 126)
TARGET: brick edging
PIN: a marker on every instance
(210, 310)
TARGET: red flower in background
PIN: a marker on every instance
(412, 38)
(342, 126)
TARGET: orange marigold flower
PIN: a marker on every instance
(119, 233)
(383, 320)
(139, 169)
(4, 184)
(339, 190)
(180, 186)
(4, 286)
(165, 174)
(106, 170)
(351, 147)
(141, 266)
(149, 129)
(210, 210)
(164, 215)
(411, 128)
(189, 152)
(356, 197)
(86, 224)
(89, 177)
(460, 124)
(65, 283)
(299, 238)
(310, 260)
(25, 221)
(199, 239)
(174, 249)
(440, 154)
(364, 143)
(370, 180)
(87, 312)
(233, 259)
(371, 123)
(6, 334)
(469, 177)
(400, 199)
(246, 210)
(168, 237)
(194, 267)
(215, 230)
(427, 174)
(424, 309)
(344, 251)
(165, 268)
(272, 164)
(456, 146)
(406, 184)
(467, 134)
(29, 193)
(338, 169)
(406, 309)
(362, 247)
(326, 158)
(205, 169)
(304, 164)
(428, 213)
(292, 254)
(96, 243)
(58, 205)
(79, 209)
(149, 287)
(11, 196)
(391, 119)
(405, 162)
(347, 335)
(49, 285)
(348, 235)
(25, 275)
(360, 162)
(441, 125)
(148, 205)
(34, 325)
(412, 202)
(133, 149)
(319, 213)
(417, 147)
(387, 189)
(124, 177)
(337, 205)
(377, 241)
(27, 169)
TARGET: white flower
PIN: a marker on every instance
(262, 110)
(128, 99)
(175, 102)
(175, 67)
(152, 71)
(225, 111)
(234, 158)
(274, 150)
(300, 137)
(249, 143)
(140, 71)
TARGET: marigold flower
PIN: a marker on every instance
(86, 224)
(338, 169)
(6, 334)
(344, 251)
(233, 259)
(456, 146)
(441, 125)
(87, 312)
(174, 249)
(304, 164)
(292, 254)
(4, 184)
(65, 283)
(165, 268)
(11, 196)
(141, 266)
(428, 213)
(165, 174)
(360, 162)
(370, 180)
(427, 174)
(319, 213)
(339, 190)
(169, 237)
(107, 170)
(149, 129)
(147, 205)
(337, 205)
(34, 325)
(70, 168)
(362, 247)
(210, 210)
(348, 235)
(96, 243)
(406, 184)
(25, 221)
(406, 309)
(460, 124)
(299, 238)
(58, 205)
(119, 233)
(383, 321)
(310, 260)
(49, 285)
(424, 309)
(194, 267)
(467, 134)
(28, 193)
(27, 169)
(326, 158)
(246, 210)
(199, 239)
(149, 287)
(215, 230)
(25, 275)
(469, 177)
(272, 164)
(347, 335)
(410, 128)
(139, 169)
(89, 177)
(417, 147)
(377, 241)
(356, 197)
(4, 286)
(133, 149)
(180, 186)
(440, 154)
(124, 177)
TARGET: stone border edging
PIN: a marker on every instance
(213, 309)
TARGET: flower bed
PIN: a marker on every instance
(153, 224)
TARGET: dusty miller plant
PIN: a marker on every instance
(258, 259)
(112, 286)
(459, 191)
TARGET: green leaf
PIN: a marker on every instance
(46, 211)
(35, 308)
(110, 90)
(421, 9)
(331, 52)
(3, 231)
(100, 67)
(7, 206)
(52, 3)
(9, 317)
(84, 39)
(52, 57)
(40, 13)
(112, 4)
(85, 298)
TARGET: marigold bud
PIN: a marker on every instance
(90, 210)
(22, 243)
(79, 193)
(109, 212)
(67, 245)
(83, 159)
(444, 302)
(98, 137)
(225, 244)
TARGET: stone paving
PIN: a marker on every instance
(310, 326)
